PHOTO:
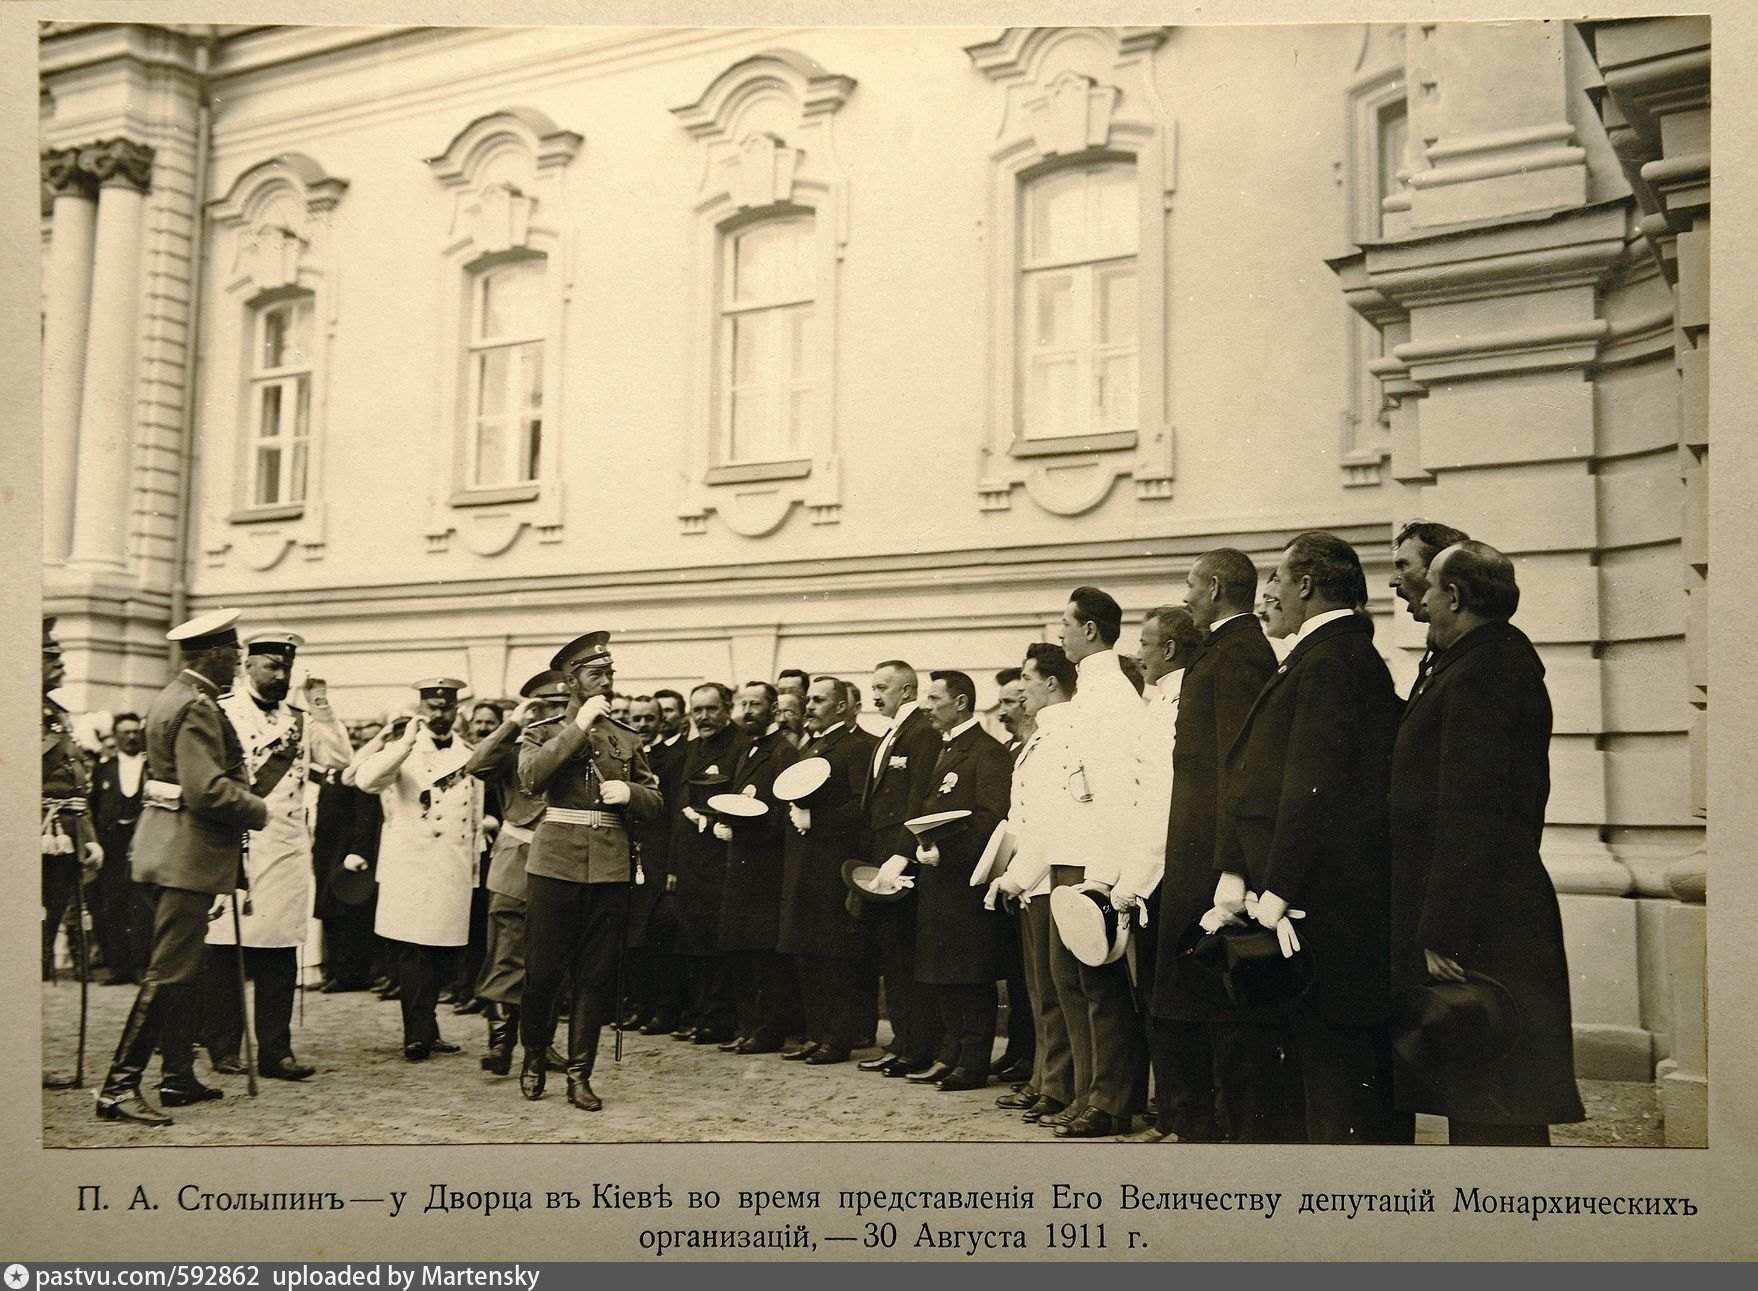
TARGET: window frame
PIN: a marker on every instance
(791, 457)
(523, 449)
(293, 446)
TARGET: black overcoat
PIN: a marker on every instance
(814, 915)
(698, 858)
(1303, 810)
(348, 821)
(653, 910)
(1470, 778)
(958, 941)
(1213, 699)
(750, 906)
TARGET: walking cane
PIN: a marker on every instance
(623, 944)
(85, 972)
(243, 1002)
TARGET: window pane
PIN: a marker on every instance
(1394, 138)
(773, 261)
(296, 475)
(302, 407)
(799, 330)
(285, 335)
(1116, 393)
(1113, 206)
(274, 337)
(268, 475)
(491, 382)
(491, 452)
(1053, 326)
(750, 431)
(533, 443)
(531, 368)
(511, 300)
(1057, 216)
(1117, 308)
(749, 331)
(799, 415)
(268, 422)
(1050, 408)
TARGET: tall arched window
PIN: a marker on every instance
(1077, 301)
(280, 401)
(768, 288)
(503, 385)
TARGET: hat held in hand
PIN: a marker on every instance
(1241, 968)
(1455, 1024)
(1090, 926)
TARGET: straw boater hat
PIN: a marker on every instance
(1094, 932)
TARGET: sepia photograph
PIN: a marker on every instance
(1137, 586)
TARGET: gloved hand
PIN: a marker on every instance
(696, 818)
(1272, 912)
(1439, 966)
(723, 831)
(1001, 886)
(591, 710)
(614, 793)
(927, 854)
(801, 816)
(354, 861)
(94, 857)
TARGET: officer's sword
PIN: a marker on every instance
(243, 1003)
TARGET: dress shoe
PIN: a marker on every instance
(131, 1107)
(1009, 1073)
(897, 1068)
(228, 1066)
(391, 992)
(469, 1006)
(531, 1076)
(1149, 1133)
(929, 1075)
(580, 1094)
(287, 1068)
(657, 1026)
(445, 1046)
(825, 1057)
(710, 1037)
(1045, 1106)
(805, 1051)
(498, 1062)
(880, 1063)
(186, 1092)
(448, 996)
(684, 1033)
(416, 1052)
(1094, 1123)
(960, 1079)
(553, 1056)
(632, 1020)
(731, 1046)
(758, 1046)
(1018, 1101)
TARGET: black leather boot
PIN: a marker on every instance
(120, 1098)
(502, 1032)
(580, 1071)
(531, 1074)
(178, 1086)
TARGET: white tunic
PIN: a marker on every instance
(427, 857)
(279, 861)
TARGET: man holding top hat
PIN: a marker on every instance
(958, 941)
(188, 846)
(495, 762)
(594, 778)
(282, 743)
(427, 856)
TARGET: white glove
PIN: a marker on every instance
(1272, 912)
(1001, 886)
(723, 831)
(490, 824)
(354, 861)
(614, 793)
(696, 818)
(94, 855)
(1123, 900)
(928, 854)
(1230, 892)
(590, 711)
(800, 816)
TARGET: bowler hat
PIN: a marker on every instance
(873, 882)
(1241, 968)
(1455, 1024)
(1089, 925)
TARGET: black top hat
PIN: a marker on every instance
(704, 786)
(352, 887)
(1242, 968)
(871, 882)
(1455, 1024)
(1091, 928)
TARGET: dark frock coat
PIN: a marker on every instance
(1213, 699)
(698, 857)
(653, 910)
(958, 941)
(1470, 778)
(348, 821)
(1303, 797)
(814, 915)
(750, 907)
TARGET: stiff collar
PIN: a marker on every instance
(958, 730)
(1221, 623)
(1318, 621)
(1169, 686)
(1099, 659)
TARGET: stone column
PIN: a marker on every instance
(68, 286)
(107, 400)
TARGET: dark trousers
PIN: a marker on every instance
(712, 1010)
(467, 964)
(1104, 1029)
(827, 992)
(658, 986)
(765, 993)
(163, 1015)
(116, 913)
(864, 1020)
(1346, 1072)
(571, 928)
(915, 1017)
(1021, 1032)
(60, 883)
(1258, 1080)
(967, 1021)
(1476, 1134)
(348, 946)
(220, 1025)
(1180, 1056)
(503, 962)
(420, 969)
(1053, 1063)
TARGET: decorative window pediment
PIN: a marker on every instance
(508, 252)
(771, 224)
(1081, 180)
(272, 235)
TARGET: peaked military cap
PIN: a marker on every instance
(445, 688)
(593, 647)
(548, 684)
(276, 641)
(205, 631)
(50, 644)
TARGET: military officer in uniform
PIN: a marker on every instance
(69, 843)
(595, 780)
(495, 761)
(189, 846)
(283, 742)
(427, 856)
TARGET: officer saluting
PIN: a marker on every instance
(595, 779)
(188, 846)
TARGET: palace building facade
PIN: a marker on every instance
(817, 346)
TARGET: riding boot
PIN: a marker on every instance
(120, 1098)
(531, 1074)
(178, 1086)
(502, 1032)
(582, 1052)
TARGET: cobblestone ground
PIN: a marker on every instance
(663, 1091)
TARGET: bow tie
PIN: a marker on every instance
(439, 743)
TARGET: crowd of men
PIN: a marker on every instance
(1231, 896)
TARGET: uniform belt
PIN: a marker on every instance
(592, 817)
(324, 775)
(75, 806)
(518, 833)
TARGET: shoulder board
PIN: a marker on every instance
(547, 721)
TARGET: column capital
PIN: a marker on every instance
(64, 176)
(118, 162)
